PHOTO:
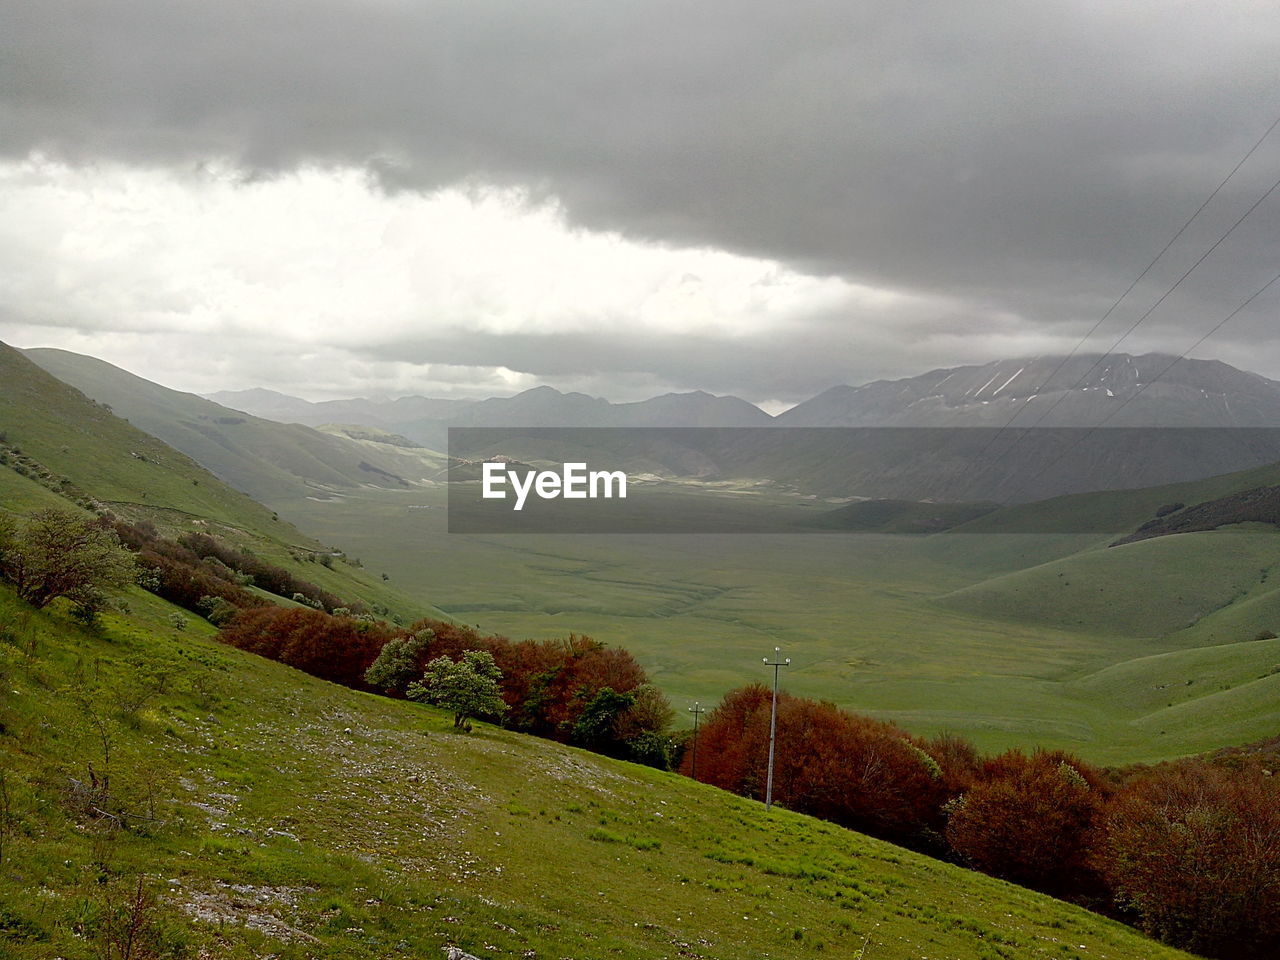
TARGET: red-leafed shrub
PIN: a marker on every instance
(959, 759)
(1030, 820)
(1194, 850)
(332, 648)
(174, 572)
(187, 585)
(575, 690)
(547, 684)
(263, 574)
(733, 742)
(830, 763)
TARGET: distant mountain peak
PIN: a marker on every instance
(1150, 389)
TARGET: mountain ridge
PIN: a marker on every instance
(263, 458)
(983, 394)
(1053, 391)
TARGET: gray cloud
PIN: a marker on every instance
(1023, 161)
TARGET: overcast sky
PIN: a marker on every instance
(342, 197)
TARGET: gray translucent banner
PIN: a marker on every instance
(852, 479)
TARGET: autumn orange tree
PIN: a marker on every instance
(852, 770)
(1029, 818)
(1193, 849)
(339, 649)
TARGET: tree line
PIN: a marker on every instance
(1188, 850)
(574, 690)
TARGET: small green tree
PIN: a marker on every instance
(216, 610)
(594, 728)
(467, 687)
(58, 554)
(397, 662)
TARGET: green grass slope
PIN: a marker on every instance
(900, 516)
(1149, 588)
(1116, 511)
(71, 447)
(261, 458)
(273, 814)
(1200, 698)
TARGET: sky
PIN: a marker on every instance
(383, 197)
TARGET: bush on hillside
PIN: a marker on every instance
(397, 664)
(468, 688)
(1194, 850)
(339, 649)
(263, 574)
(56, 554)
(852, 770)
(175, 573)
(1029, 819)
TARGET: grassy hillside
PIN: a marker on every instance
(113, 461)
(261, 458)
(1116, 511)
(1150, 588)
(268, 813)
(72, 449)
(900, 516)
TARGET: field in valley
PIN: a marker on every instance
(1122, 654)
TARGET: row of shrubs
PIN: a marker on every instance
(575, 690)
(209, 577)
(1190, 851)
(261, 573)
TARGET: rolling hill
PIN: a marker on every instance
(993, 628)
(973, 632)
(64, 450)
(259, 457)
(204, 802)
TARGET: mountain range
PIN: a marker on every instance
(426, 421)
(274, 446)
(1082, 391)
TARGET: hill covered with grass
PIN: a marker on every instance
(210, 803)
(168, 796)
(261, 458)
(61, 449)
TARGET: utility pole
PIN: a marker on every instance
(777, 663)
(697, 712)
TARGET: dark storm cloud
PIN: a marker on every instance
(1025, 159)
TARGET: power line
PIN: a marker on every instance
(1110, 310)
(1178, 359)
(1134, 326)
(1128, 290)
(1053, 406)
